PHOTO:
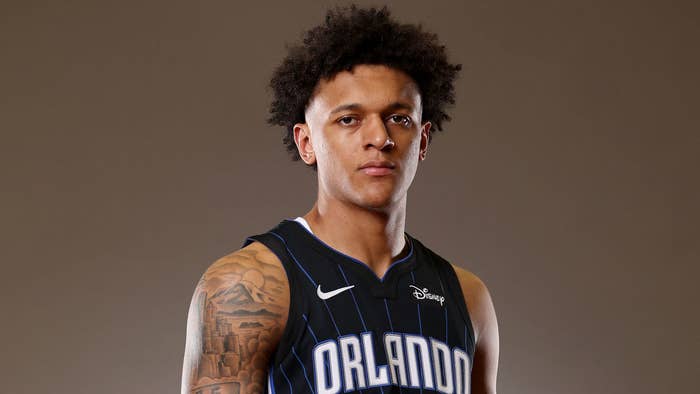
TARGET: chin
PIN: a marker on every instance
(377, 195)
(377, 200)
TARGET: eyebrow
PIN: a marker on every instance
(355, 106)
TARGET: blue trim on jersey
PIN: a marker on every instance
(307, 275)
(326, 362)
(386, 306)
(438, 363)
(446, 341)
(303, 368)
(352, 293)
(420, 320)
(403, 354)
(391, 326)
(287, 378)
(294, 257)
(420, 330)
(354, 376)
(270, 383)
(466, 346)
(332, 318)
(245, 241)
(311, 330)
(301, 267)
(445, 309)
(392, 265)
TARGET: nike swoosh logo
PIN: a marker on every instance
(326, 295)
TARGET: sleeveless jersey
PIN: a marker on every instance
(350, 331)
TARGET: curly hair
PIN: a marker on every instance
(351, 36)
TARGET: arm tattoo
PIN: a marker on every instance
(235, 322)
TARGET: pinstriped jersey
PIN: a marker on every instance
(349, 330)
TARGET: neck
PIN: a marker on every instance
(371, 236)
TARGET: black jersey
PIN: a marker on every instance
(350, 331)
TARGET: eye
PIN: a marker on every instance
(401, 119)
(347, 120)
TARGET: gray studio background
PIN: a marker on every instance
(134, 152)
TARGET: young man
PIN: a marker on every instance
(342, 299)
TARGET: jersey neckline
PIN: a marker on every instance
(405, 263)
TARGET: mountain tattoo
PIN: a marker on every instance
(235, 321)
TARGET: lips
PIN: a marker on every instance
(377, 170)
(378, 167)
(378, 164)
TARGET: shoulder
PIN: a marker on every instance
(248, 279)
(476, 296)
(478, 299)
(243, 297)
(255, 258)
(483, 315)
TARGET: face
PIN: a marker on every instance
(348, 123)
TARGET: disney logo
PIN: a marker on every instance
(424, 293)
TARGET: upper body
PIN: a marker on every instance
(364, 124)
(219, 364)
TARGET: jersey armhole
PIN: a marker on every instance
(455, 288)
(292, 325)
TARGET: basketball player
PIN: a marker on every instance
(342, 299)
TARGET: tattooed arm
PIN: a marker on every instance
(235, 322)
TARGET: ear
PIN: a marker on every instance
(424, 137)
(302, 138)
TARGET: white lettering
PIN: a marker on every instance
(442, 361)
(394, 356)
(462, 370)
(424, 293)
(376, 376)
(351, 354)
(327, 352)
(349, 364)
(414, 342)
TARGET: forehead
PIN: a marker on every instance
(367, 85)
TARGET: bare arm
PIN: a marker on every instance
(234, 324)
(485, 324)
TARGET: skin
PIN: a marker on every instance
(348, 122)
(227, 351)
(360, 215)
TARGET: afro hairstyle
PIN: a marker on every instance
(350, 36)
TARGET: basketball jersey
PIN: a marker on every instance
(350, 331)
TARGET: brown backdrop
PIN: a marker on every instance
(135, 152)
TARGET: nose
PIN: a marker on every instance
(376, 134)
